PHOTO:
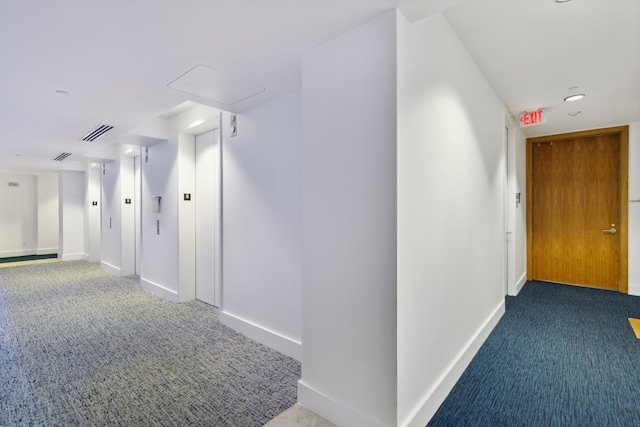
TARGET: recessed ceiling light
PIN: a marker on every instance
(574, 113)
(62, 92)
(562, 1)
(575, 97)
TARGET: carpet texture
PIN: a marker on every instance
(80, 347)
(560, 356)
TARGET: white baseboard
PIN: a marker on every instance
(10, 254)
(161, 291)
(110, 268)
(432, 400)
(281, 343)
(70, 257)
(46, 251)
(27, 252)
(521, 282)
(634, 289)
(331, 409)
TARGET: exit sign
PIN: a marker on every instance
(529, 118)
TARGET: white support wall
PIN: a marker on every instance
(71, 215)
(127, 216)
(48, 211)
(349, 227)
(167, 265)
(159, 267)
(450, 214)
(262, 224)
(110, 217)
(520, 224)
(186, 217)
(18, 214)
(634, 208)
(92, 248)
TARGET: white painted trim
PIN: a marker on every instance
(331, 409)
(432, 400)
(28, 252)
(520, 283)
(71, 257)
(10, 254)
(46, 251)
(161, 291)
(263, 335)
(110, 268)
(634, 289)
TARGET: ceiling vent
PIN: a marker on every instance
(97, 133)
(61, 157)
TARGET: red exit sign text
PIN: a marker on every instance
(529, 118)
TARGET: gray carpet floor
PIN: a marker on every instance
(80, 347)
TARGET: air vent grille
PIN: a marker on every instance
(61, 157)
(97, 133)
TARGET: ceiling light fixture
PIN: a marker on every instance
(62, 92)
(562, 1)
(574, 97)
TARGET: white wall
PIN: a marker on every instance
(29, 214)
(48, 212)
(517, 220)
(349, 227)
(159, 264)
(187, 217)
(450, 214)
(520, 229)
(71, 215)
(262, 230)
(634, 208)
(92, 224)
(127, 216)
(18, 215)
(167, 265)
(110, 217)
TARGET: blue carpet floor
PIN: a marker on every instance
(560, 356)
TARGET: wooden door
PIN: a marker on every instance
(577, 209)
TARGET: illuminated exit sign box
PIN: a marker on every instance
(530, 118)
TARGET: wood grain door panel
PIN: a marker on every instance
(575, 189)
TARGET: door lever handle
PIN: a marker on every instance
(610, 231)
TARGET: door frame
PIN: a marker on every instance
(508, 232)
(217, 217)
(623, 135)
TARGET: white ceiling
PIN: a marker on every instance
(533, 51)
(117, 58)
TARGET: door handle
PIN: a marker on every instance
(610, 231)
